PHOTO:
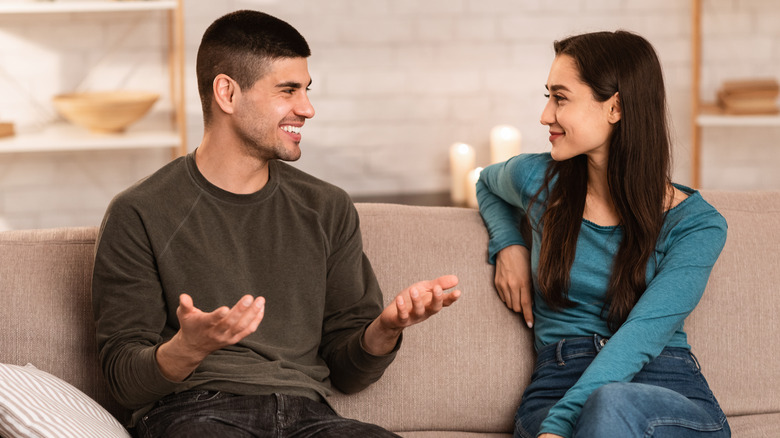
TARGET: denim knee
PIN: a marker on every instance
(636, 409)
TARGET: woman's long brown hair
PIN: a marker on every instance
(637, 171)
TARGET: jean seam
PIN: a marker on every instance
(701, 427)
(565, 358)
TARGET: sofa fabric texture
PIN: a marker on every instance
(462, 373)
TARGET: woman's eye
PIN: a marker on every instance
(557, 97)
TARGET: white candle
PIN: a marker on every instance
(504, 143)
(461, 162)
(471, 188)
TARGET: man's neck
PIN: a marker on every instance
(230, 168)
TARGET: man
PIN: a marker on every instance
(231, 223)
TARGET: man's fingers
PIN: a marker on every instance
(451, 297)
(418, 307)
(185, 303)
(437, 300)
(231, 322)
(401, 309)
(251, 317)
(447, 281)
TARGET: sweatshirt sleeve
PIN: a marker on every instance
(681, 276)
(129, 309)
(354, 300)
(503, 192)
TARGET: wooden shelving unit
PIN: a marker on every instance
(700, 116)
(161, 132)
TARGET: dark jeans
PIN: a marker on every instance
(669, 397)
(208, 413)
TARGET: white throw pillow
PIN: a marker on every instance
(34, 403)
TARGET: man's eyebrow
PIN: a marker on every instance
(292, 84)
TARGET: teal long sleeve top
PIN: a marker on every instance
(690, 242)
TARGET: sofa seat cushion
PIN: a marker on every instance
(451, 434)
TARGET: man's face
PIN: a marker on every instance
(269, 116)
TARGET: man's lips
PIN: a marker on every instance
(294, 131)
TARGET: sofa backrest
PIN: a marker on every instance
(465, 368)
(46, 314)
(735, 329)
(462, 370)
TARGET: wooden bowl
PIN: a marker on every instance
(104, 111)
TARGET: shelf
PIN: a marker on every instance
(45, 7)
(167, 131)
(715, 120)
(61, 137)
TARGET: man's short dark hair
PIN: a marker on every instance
(241, 45)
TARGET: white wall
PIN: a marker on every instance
(395, 83)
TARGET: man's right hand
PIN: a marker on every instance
(513, 280)
(202, 333)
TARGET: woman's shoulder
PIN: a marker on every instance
(688, 202)
(534, 161)
(693, 213)
(528, 168)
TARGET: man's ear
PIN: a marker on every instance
(615, 111)
(225, 91)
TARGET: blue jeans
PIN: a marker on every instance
(669, 397)
(218, 414)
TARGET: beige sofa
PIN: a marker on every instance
(462, 373)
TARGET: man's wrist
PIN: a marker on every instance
(379, 340)
(176, 362)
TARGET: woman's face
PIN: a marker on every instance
(578, 123)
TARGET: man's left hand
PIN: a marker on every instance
(413, 305)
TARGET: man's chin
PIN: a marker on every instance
(289, 155)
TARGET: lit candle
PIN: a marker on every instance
(504, 143)
(461, 162)
(471, 187)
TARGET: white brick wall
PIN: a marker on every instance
(395, 83)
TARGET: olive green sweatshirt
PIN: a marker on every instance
(295, 242)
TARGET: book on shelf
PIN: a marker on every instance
(6, 129)
(750, 96)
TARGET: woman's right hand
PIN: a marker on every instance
(513, 280)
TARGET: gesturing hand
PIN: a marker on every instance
(419, 302)
(203, 333)
(513, 280)
(413, 305)
(208, 332)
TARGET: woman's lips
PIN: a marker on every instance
(555, 135)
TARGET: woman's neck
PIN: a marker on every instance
(599, 207)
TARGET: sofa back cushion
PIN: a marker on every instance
(735, 330)
(46, 317)
(465, 368)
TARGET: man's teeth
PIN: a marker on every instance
(293, 129)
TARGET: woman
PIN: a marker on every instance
(615, 257)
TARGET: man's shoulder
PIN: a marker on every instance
(164, 182)
(308, 188)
